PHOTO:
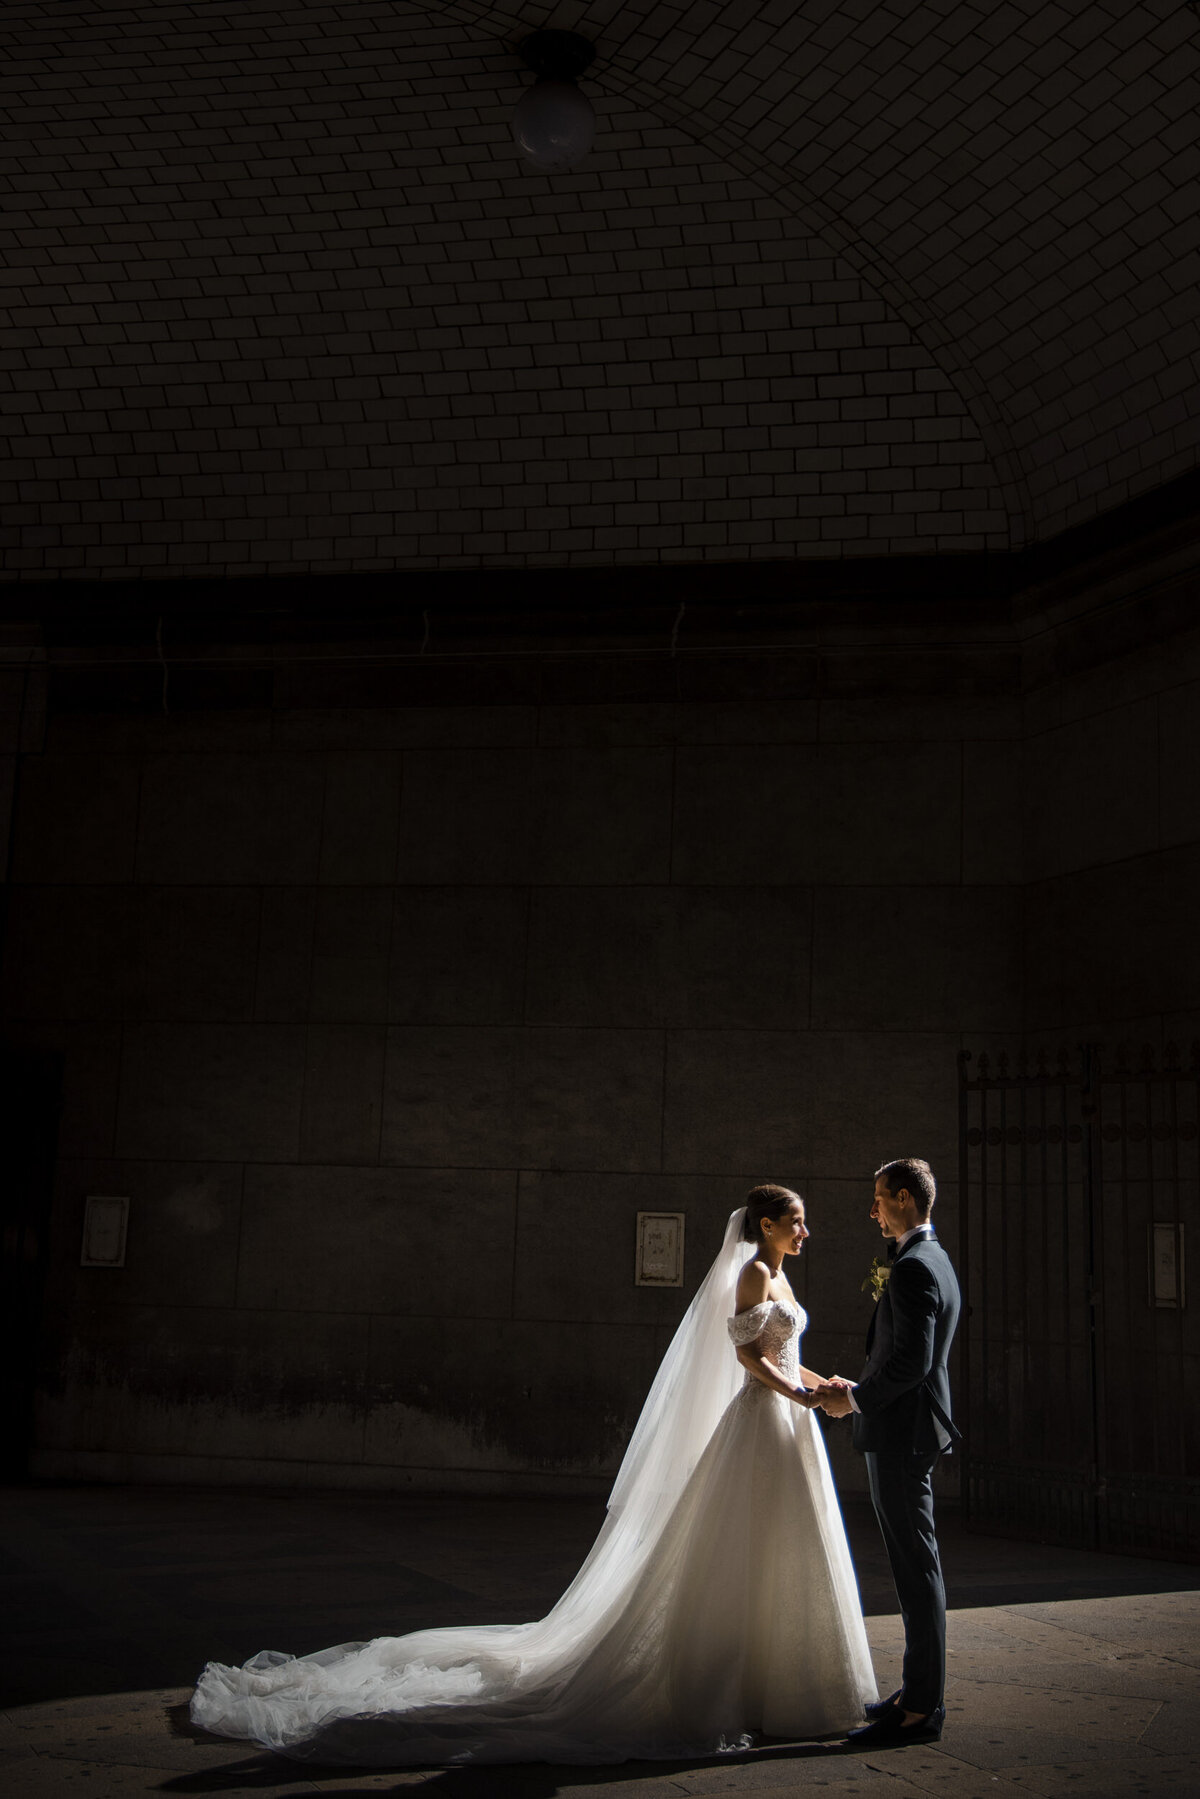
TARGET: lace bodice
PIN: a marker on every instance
(779, 1327)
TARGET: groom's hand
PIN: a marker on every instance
(834, 1398)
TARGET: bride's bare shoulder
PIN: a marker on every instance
(754, 1284)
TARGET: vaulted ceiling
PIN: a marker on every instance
(1018, 181)
(838, 278)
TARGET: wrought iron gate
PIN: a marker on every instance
(1079, 1188)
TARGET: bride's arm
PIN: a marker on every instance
(763, 1369)
(823, 1380)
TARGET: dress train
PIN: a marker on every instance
(732, 1609)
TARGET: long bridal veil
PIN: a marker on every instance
(592, 1680)
(695, 1382)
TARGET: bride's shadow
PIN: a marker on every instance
(533, 1781)
(518, 1780)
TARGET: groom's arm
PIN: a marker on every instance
(915, 1302)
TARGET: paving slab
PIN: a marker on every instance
(63, 1777)
(145, 1728)
(1011, 1635)
(348, 1781)
(1173, 1729)
(868, 1782)
(1161, 1623)
(933, 1770)
(1120, 1775)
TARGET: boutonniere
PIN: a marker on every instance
(878, 1276)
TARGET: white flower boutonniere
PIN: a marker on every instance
(878, 1276)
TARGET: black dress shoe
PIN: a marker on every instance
(890, 1731)
(882, 1707)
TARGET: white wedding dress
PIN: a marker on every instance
(719, 1599)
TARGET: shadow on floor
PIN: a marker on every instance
(111, 1589)
(521, 1780)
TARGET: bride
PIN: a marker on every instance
(718, 1599)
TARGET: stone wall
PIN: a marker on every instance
(1110, 796)
(389, 1020)
(390, 1003)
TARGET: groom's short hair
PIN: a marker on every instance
(915, 1174)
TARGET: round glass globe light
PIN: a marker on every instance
(554, 125)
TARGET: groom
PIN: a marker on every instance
(901, 1408)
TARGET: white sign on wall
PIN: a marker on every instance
(105, 1222)
(659, 1249)
(1166, 1265)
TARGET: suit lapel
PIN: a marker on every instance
(924, 1237)
(875, 1320)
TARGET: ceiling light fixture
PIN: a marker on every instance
(554, 123)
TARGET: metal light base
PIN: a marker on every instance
(556, 55)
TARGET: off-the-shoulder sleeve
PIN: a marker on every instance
(744, 1327)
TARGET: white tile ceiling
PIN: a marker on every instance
(836, 280)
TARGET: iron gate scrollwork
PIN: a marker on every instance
(1079, 1198)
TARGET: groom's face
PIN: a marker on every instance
(890, 1211)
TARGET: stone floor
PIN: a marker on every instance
(1070, 1673)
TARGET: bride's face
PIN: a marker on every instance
(788, 1233)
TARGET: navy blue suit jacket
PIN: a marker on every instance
(904, 1393)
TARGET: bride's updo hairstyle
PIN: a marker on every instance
(765, 1202)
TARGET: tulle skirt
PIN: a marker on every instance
(737, 1614)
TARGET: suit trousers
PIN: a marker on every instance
(902, 1494)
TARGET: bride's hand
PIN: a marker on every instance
(833, 1397)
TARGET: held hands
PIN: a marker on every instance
(833, 1396)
